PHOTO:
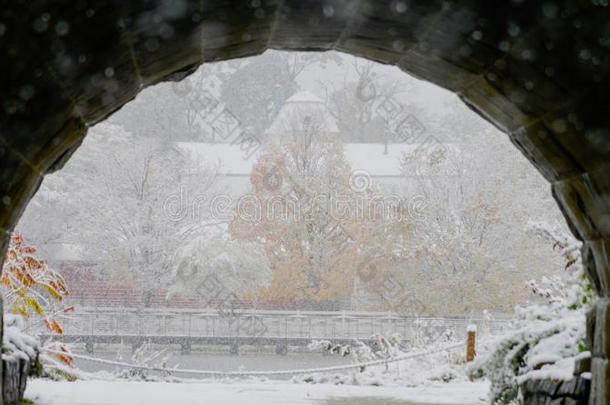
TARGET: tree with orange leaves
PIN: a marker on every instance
(313, 218)
(30, 286)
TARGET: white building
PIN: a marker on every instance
(305, 112)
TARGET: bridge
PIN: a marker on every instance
(233, 329)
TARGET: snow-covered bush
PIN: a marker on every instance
(146, 356)
(438, 366)
(17, 343)
(548, 335)
(381, 348)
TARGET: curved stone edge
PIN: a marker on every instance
(562, 142)
(546, 392)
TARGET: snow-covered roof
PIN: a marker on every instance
(301, 112)
(304, 97)
(369, 157)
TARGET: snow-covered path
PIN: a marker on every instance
(45, 392)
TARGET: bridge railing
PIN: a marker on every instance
(307, 324)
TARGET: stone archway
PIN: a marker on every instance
(537, 70)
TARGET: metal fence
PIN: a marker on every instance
(277, 324)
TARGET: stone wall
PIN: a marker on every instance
(556, 392)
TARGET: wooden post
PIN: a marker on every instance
(471, 343)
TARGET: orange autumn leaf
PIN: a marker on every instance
(64, 356)
(54, 326)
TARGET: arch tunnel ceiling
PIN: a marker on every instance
(538, 70)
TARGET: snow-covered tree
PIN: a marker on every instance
(316, 222)
(132, 229)
(119, 185)
(548, 334)
(174, 111)
(355, 103)
(468, 240)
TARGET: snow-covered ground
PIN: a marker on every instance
(46, 392)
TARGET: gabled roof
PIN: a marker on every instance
(300, 112)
